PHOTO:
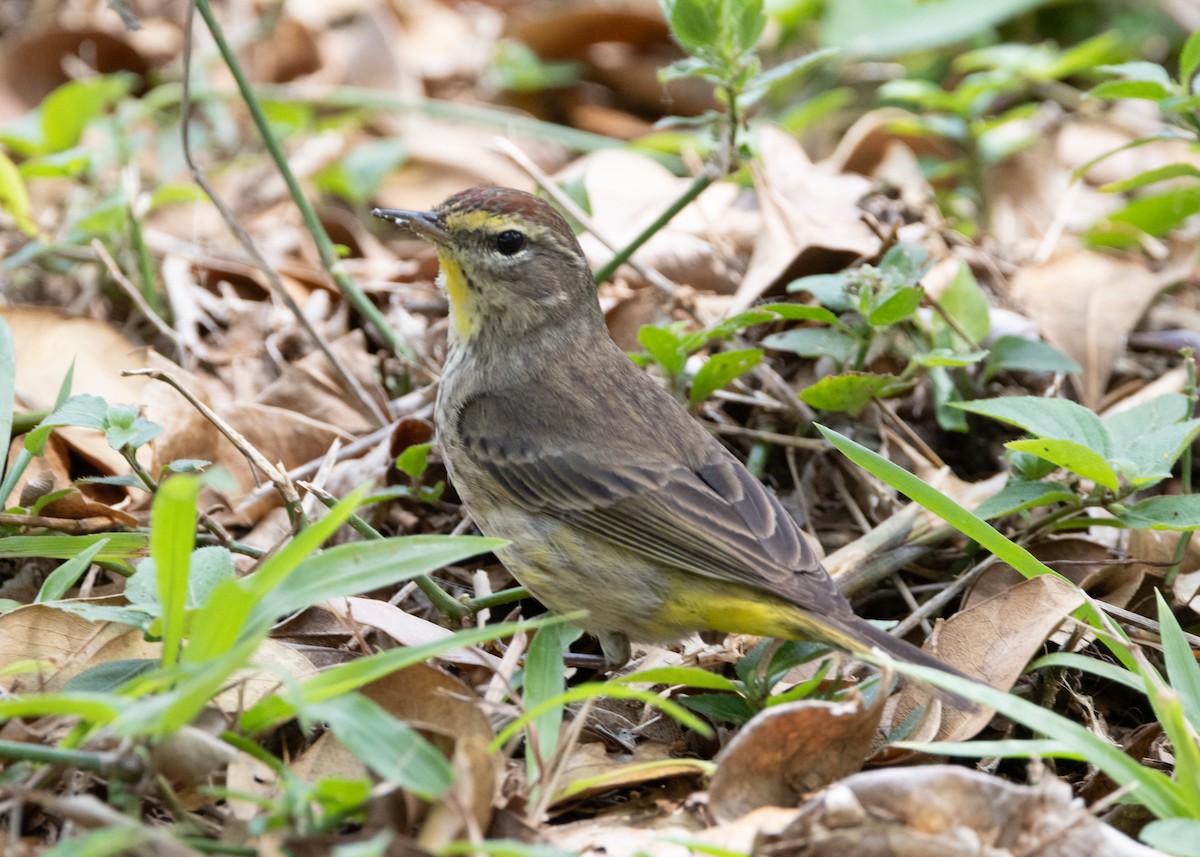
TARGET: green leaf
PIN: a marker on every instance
(1171, 512)
(83, 410)
(1076, 457)
(1095, 666)
(888, 28)
(545, 678)
(209, 566)
(1017, 354)
(694, 23)
(1189, 61)
(1178, 837)
(965, 303)
(850, 392)
(720, 369)
(685, 676)
(14, 198)
(828, 289)
(1183, 673)
(664, 345)
(1155, 214)
(1048, 418)
(117, 546)
(123, 427)
(95, 708)
(110, 676)
(800, 312)
(896, 307)
(1154, 789)
(904, 264)
(1148, 177)
(947, 357)
(393, 750)
(413, 460)
(357, 567)
(945, 392)
(358, 175)
(8, 386)
(762, 84)
(59, 581)
(172, 534)
(69, 109)
(1139, 70)
(1019, 496)
(1152, 459)
(748, 23)
(1143, 89)
(1129, 427)
(814, 342)
(115, 841)
(721, 707)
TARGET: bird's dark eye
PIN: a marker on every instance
(510, 242)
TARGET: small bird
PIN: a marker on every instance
(613, 498)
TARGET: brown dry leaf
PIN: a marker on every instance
(32, 59)
(994, 641)
(790, 750)
(46, 342)
(812, 223)
(70, 455)
(406, 629)
(591, 770)
(948, 811)
(703, 246)
(1159, 546)
(1086, 303)
(437, 702)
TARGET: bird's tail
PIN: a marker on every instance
(859, 637)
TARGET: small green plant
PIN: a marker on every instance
(1153, 214)
(737, 700)
(983, 118)
(1118, 455)
(873, 309)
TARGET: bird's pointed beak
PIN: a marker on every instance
(424, 224)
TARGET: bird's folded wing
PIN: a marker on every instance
(715, 519)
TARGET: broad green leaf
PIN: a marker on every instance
(693, 22)
(1183, 673)
(1057, 419)
(898, 306)
(1169, 512)
(83, 410)
(850, 392)
(117, 546)
(123, 427)
(414, 459)
(545, 679)
(172, 534)
(66, 111)
(210, 565)
(721, 707)
(1019, 496)
(59, 581)
(888, 28)
(1154, 789)
(357, 567)
(1152, 459)
(729, 326)
(1017, 354)
(1178, 837)
(110, 676)
(8, 384)
(748, 22)
(686, 676)
(664, 345)
(1139, 70)
(814, 342)
(945, 393)
(948, 357)
(95, 708)
(828, 289)
(965, 303)
(904, 264)
(801, 312)
(1189, 61)
(1073, 456)
(720, 369)
(1128, 427)
(1143, 89)
(1155, 214)
(1170, 171)
(14, 198)
(393, 750)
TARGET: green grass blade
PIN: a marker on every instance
(8, 389)
(66, 575)
(172, 535)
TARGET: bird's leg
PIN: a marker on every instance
(615, 646)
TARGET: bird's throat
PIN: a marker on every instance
(462, 302)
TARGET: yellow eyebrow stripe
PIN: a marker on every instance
(470, 221)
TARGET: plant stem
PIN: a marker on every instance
(504, 596)
(118, 766)
(324, 244)
(445, 603)
(699, 183)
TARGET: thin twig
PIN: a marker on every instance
(70, 526)
(138, 298)
(371, 407)
(937, 602)
(768, 436)
(511, 151)
(697, 187)
(287, 490)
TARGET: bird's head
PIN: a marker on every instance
(509, 263)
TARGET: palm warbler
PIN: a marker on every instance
(612, 497)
